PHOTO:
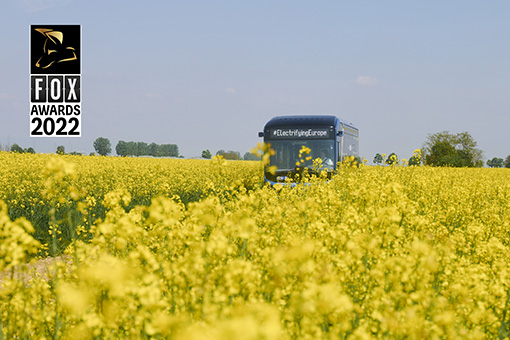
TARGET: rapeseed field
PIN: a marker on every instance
(196, 249)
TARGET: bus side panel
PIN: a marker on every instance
(340, 153)
(350, 143)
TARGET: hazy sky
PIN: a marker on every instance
(210, 74)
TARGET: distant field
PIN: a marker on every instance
(192, 249)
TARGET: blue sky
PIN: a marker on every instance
(209, 75)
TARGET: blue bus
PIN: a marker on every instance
(326, 137)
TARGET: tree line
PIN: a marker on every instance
(143, 149)
(19, 149)
(447, 149)
(103, 147)
(439, 149)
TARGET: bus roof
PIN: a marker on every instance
(307, 120)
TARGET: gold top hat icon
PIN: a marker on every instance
(53, 49)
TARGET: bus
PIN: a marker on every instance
(326, 137)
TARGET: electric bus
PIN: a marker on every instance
(299, 140)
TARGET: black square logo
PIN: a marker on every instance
(55, 49)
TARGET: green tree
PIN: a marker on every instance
(442, 153)
(206, 154)
(153, 149)
(392, 159)
(445, 149)
(16, 148)
(143, 148)
(131, 148)
(378, 159)
(102, 146)
(496, 162)
(61, 150)
(415, 159)
(507, 161)
(30, 150)
(121, 148)
(169, 150)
